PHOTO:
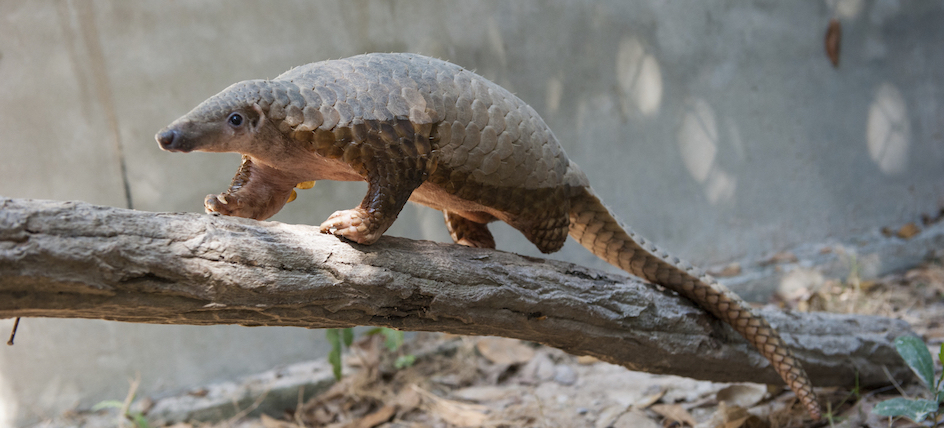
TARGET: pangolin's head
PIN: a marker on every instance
(230, 121)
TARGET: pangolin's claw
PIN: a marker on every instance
(351, 224)
(223, 203)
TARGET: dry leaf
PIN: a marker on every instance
(608, 416)
(908, 231)
(540, 369)
(586, 360)
(202, 392)
(797, 284)
(366, 352)
(781, 257)
(730, 269)
(867, 285)
(934, 333)
(483, 393)
(454, 412)
(833, 41)
(635, 419)
(649, 400)
(734, 417)
(674, 412)
(373, 419)
(408, 399)
(928, 220)
(500, 350)
(270, 422)
(743, 395)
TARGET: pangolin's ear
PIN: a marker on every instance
(259, 118)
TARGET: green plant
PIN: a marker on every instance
(916, 354)
(335, 337)
(855, 393)
(393, 340)
(136, 417)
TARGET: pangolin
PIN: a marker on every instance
(425, 130)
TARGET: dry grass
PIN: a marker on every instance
(495, 382)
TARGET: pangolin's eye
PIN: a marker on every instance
(235, 119)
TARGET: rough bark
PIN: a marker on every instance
(76, 260)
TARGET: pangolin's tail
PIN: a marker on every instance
(592, 224)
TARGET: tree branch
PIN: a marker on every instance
(75, 260)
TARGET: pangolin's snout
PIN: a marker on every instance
(170, 140)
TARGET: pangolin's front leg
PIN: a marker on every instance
(368, 221)
(390, 182)
(257, 192)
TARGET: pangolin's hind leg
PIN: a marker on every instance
(468, 232)
(548, 232)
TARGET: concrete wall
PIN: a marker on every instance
(718, 129)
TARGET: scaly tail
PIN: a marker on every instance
(594, 227)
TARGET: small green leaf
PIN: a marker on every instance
(916, 354)
(940, 356)
(332, 335)
(404, 361)
(108, 404)
(393, 339)
(348, 336)
(334, 357)
(940, 381)
(140, 421)
(916, 410)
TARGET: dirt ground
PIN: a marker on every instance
(497, 382)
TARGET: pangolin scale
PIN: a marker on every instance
(421, 129)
